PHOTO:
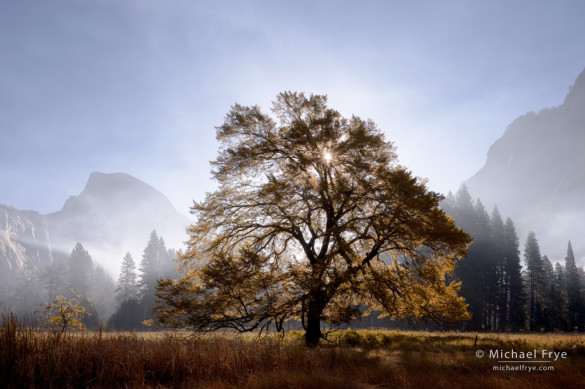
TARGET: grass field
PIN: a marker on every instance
(352, 359)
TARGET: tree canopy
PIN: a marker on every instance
(314, 220)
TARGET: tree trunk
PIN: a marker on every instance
(313, 330)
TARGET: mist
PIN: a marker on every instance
(535, 173)
(138, 88)
(115, 214)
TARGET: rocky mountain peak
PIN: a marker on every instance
(113, 214)
(535, 173)
(24, 241)
(113, 193)
(576, 92)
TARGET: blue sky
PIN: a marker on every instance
(138, 86)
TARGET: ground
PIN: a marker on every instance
(350, 359)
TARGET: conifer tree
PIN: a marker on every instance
(548, 311)
(464, 211)
(127, 287)
(513, 270)
(575, 305)
(150, 266)
(469, 269)
(53, 279)
(559, 303)
(482, 271)
(153, 258)
(534, 281)
(80, 272)
(499, 289)
(80, 269)
(482, 250)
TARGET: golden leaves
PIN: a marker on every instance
(63, 313)
(306, 206)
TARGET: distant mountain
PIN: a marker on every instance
(535, 173)
(24, 241)
(113, 214)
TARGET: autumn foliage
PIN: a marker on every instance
(313, 220)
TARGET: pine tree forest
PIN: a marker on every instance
(510, 286)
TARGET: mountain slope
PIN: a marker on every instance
(535, 173)
(113, 214)
(24, 241)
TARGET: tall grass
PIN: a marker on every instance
(32, 358)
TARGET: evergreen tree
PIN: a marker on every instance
(136, 292)
(53, 279)
(516, 318)
(534, 281)
(128, 317)
(448, 204)
(476, 271)
(500, 295)
(581, 277)
(80, 273)
(559, 300)
(80, 269)
(482, 250)
(549, 312)
(575, 305)
(491, 274)
(127, 285)
(500, 287)
(169, 267)
(153, 258)
(464, 211)
(468, 270)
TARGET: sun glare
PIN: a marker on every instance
(327, 156)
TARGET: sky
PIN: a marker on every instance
(139, 86)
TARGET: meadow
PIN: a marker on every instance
(32, 358)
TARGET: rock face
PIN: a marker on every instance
(535, 173)
(113, 214)
(24, 241)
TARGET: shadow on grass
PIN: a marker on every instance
(32, 358)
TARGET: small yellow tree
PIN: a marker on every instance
(62, 313)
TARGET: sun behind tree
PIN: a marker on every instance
(314, 220)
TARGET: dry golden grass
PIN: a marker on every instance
(354, 359)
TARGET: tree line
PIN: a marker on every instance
(507, 287)
(314, 221)
(124, 304)
(508, 291)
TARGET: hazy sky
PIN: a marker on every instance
(138, 86)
